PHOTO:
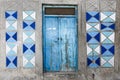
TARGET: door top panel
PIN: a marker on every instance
(59, 10)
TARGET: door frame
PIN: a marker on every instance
(43, 22)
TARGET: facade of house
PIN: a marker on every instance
(59, 40)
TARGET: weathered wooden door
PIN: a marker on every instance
(60, 43)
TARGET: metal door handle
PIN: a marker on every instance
(59, 39)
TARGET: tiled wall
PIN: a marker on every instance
(29, 25)
(100, 38)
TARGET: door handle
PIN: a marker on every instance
(59, 39)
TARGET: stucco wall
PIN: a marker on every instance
(83, 73)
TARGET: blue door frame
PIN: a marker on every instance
(60, 43)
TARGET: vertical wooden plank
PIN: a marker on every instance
(63, 43)
(72, 41)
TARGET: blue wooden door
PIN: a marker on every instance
(60, 43)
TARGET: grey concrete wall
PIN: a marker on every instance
(83, 72)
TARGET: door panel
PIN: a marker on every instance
(60, 44)
(51, 56)
(68, 34)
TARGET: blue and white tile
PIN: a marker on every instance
(93, 37)
(107, 49)
(11, 15)
(107, 61)
(107, 37)
(11, 61)
(29, 15)
(29, 36)
(28, 48)
(11, 36)
(11, 24)
(92, 16)
(93, 61)
(29, 61)
(93, 49)
(11, 49)
(107, 26)
(92, 26)
(108, 16)
(29, 25)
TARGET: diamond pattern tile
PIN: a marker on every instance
(29, 61)
(11, 15)
(107, 37)
(107, 49)
(107, 16)
(93, 61)
(28, 48)
(11, 36)
(29, 25)
(11, 61)
(93, 49)
(92, 16)
(107, 61)
(11, 49)
(28, 36)
(93, 37)
(92, 26)
(29, 15)
(107, 26)
(11, 25)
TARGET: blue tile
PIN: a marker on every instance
(92, 16)
(107, 49)
(11, 36)
(29, 25)
(11, 61)
(93, 37)
(28, 48)
(93, 61)
(108, 26)
(11, 15)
